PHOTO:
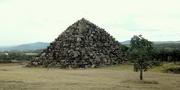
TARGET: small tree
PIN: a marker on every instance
(140, 52)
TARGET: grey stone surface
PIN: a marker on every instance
(81, 45)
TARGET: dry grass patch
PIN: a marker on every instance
(108, 78)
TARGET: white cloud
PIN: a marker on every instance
(24, 21)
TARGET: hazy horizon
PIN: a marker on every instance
(29, 21)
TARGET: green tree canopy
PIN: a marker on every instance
(141, 53)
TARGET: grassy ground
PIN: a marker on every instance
(120, 77)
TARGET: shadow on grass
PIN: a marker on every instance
(3, 81)
(4, 70)
(141, 81)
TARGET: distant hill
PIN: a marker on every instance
(43, 45)
(29, 46)
(155, 42)
(126, 42)
(166, 42)
(167, 46)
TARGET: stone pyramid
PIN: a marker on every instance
(81, 45)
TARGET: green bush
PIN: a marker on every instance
(175, 70)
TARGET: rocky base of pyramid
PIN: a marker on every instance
(88, 62)
(82, 45)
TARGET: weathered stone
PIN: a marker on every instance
(81, 45)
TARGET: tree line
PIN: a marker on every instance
(166, 52)
(19, 55)
(161, 53)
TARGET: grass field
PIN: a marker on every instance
(120, 77)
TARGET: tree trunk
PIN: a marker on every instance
(141, 73)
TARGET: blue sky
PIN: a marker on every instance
(27, 21)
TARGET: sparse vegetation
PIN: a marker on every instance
(118, 77)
